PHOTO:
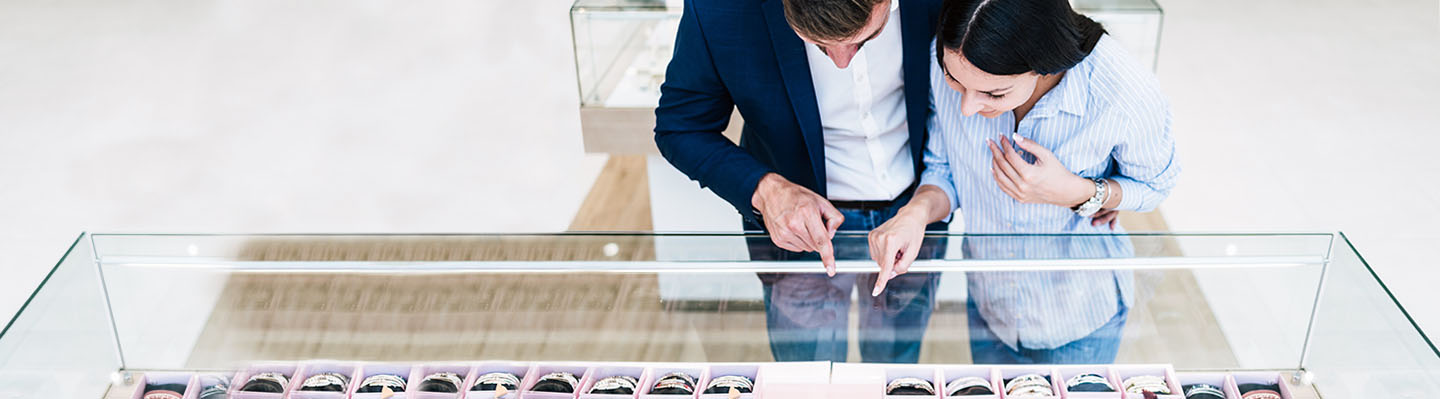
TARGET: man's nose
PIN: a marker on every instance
(842, 55)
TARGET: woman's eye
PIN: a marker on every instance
(995, 96)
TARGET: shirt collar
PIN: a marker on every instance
(1069, 96)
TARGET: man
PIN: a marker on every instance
(835, 98)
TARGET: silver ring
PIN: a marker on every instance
(1143, 383)
(331, 382)
(568, 380)
(443, 377)
(910, 382)
(273, 378)
(498, 379)
(1027, 379)
(378, 383)
(615, 384)
(1088, 378)
(1198, 389)
(675, 381)
(960, 384)
(722, 384)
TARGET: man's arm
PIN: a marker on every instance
(695, 108)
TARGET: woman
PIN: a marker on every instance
(1093, 138)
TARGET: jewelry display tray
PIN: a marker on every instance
(772, 380)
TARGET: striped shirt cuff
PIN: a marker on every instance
(1136, 196)
(945, 184)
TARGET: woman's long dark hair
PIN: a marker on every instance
(1011, 37)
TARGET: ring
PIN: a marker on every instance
(216, 387)
(722, 384)
(1261, 394)
(968, 386)
(443, 382)
(377, 383)
(326, 382)
(266, 382)
(1146, 383)
(616, 385)
(1203, 391)
(493, 382)
(162, 394)
(910, 386)
(676, 383)
(559, 381)
(1090, 382)
(1027, 379)
(1031, 390)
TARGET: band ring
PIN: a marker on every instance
(722, 384)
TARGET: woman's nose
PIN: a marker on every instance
(969, 105)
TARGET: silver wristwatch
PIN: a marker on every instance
(1092, 205)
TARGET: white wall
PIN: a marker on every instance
(281, 116)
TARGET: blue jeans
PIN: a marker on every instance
(807, 314)
(1100, 347)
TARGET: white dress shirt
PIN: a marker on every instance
(862, 114)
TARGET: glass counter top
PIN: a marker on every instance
(117, 305)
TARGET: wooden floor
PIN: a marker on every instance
(593, 316)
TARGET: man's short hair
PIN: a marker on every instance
(829, 20)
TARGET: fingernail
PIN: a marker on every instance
(1017, 137)
(877, 291)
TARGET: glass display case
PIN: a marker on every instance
(121, 312)
(623, 46)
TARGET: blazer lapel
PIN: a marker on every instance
(795, 70)
(917, 20)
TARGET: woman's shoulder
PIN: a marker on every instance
(1118, 80)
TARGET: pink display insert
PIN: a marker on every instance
(368, 370)
(349, 370)
(952, 373)
(654, 372)
(1123, 372)
(286, 369)
(751, 371)
(1065, 373)
(191, 390)
(519, 369)
(579, 370)
(1010, 372)
(1261, 377)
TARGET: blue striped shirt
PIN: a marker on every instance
(1105, 118)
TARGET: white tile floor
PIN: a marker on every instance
(449, 115)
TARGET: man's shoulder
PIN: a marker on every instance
(703, 6)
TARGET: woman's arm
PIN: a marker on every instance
(895, 244)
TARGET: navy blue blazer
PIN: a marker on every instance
(742, 54)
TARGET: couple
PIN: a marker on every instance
(887, 116)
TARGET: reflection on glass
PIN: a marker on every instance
(1048, 317)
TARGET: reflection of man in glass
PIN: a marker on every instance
(835, 99)
(807, 314)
